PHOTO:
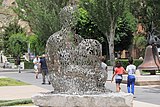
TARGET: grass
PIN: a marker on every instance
(29, 104)
(11, 82)
(18, 102)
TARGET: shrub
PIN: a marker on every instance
(28, 65)
(137, 62)
(124, 62)
(17, 44)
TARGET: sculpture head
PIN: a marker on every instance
(67, 16)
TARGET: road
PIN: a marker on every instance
(147, 94)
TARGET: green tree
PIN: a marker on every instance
(42, 15)
(139, 44)
(105, 14)
(147, 11)
(126, 25)
(13, 28)
(153, 10)
(151, 14)
(17, 44)
(33, 43)
(86, 27)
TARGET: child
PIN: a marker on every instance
(131, 69)
(118, 71)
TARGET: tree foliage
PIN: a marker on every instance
(126, 25)
(152, 9)
(89, 30)
(33, 43)
(105, 14)
(86, 27)
(13, 28)
(139, 43)
(42, 15)
(147, 11)
(17, 44)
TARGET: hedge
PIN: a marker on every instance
(124, 62)
(28, 65)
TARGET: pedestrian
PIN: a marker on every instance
(44, 69)
(104, 70)
(118, 71)
(131, 69)
(36, 66)
(103, 64)
(18, 63)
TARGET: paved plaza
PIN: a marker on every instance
(145, 96)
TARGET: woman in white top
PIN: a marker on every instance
(131, 69)
(36, 65)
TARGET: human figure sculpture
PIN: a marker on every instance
(73, 62)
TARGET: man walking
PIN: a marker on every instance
(44, 69)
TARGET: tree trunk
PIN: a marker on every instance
(111, 43)
(111, 49)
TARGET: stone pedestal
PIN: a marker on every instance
(101, 100)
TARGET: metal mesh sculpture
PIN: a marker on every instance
(74, 62)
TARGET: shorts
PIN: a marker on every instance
(118, 81)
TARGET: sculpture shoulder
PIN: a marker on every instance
(55, 36)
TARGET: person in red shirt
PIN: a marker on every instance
(118, 71)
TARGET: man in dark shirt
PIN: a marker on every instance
(44, 69)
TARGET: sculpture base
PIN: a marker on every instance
(102, 100)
